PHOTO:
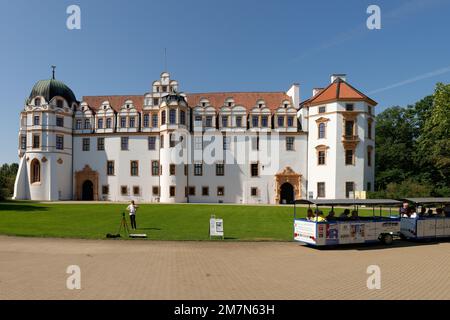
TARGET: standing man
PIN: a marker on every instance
(132, 209)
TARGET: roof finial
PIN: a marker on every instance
(53, 72)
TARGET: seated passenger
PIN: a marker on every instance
(404, 209)
(354, 215)
(320, 217)
(331, 216)
(447, 210)
(413, 213)
(440, 212)
(423, 212)
(345, 215)
(309, 215)
(430, 213)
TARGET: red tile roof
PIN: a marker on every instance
(338, 90)
(116, 102)
(273, 100)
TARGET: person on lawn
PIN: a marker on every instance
(132, 210)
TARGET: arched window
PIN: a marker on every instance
(35, 171)
(321, 130)
(182, 117)
(172, 116)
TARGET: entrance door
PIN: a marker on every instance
(88, 190)
(286, 193)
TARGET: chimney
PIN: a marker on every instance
(316, 91)
(338, 75)
(294, 93)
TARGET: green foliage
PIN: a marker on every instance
(413, 148)
(7, 178)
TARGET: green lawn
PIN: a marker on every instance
(159, 221)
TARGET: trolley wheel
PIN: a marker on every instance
(387, 239)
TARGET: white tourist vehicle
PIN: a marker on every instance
(426, 227)
(347, 231)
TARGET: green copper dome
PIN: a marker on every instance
(52, 88)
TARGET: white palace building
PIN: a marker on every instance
(168, 146)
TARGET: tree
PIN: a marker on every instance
(7, 178)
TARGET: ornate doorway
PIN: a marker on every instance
(286, 193)
(87, 191)
(86, 184)
(287, 185)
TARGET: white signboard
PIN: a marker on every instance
(215, 227)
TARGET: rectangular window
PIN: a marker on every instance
(191, 191)
(255, 121)
(123, 122)
(290, 121)
(124, 190)
(78, 124)
(224, 121)
(155, 168)
(185, 169)
(155, 190)
(124, 143)
(220, 169)
(226, 143)
(100, 123)
(172, 169)
(290, 143)
(208, 121)
(321, 189)
(349, 124)
(171, 140)
(132, 122)
(349, 187)
(254, 169)
(59, 142)
(108, 123)
(146, 121)
(220, 191)
(254, 192)
(349, 107)
(161, 142)
(105, 189)
(349, 157)
(198, 169)
(152, 143)
(134, 168)
(36, 141)
(369, 129)
(155, 101)
(280, 121)
(87, 124)
(369, 110)
(155, 120)
(23, 142)
(172, 191)
(239, 121)
(60, 121)
(172, 116)
(100, 144)
(205, 191)
(369, 158)
(182, 117)
(86, 144)
(59, 103)
(36, 121)
(322, 109)
(264, 121)
(321, 129)
(110, 168)
(198, 143)
(136, 190)
(321, 158)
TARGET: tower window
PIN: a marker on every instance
(155, 101)
(172, 116)
(322, 109)
(321, 130)
(182, 117)
(36, 141)
(59, 121)
(349, 155)
(321, 158)
(349, 107)
(155, 120)
(163, 117)
(37, 102)
(349, 128)
(36, 120)
(23, 142)
(59, 142)
(35, 171)
(59, 103)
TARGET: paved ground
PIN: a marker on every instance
(32, 268)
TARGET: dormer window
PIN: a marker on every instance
(203, 104)
(322, 109)
(59, 103)
(260, 105)
(164, 88)
(286, 105)
(230, 104)
(37, 102)
(155, 101)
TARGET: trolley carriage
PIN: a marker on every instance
(422, 228)
(339, 232)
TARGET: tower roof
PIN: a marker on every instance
(51, 88)
(338, 90)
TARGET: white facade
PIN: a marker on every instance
(171, 147)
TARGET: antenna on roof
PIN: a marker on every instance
(53, 72)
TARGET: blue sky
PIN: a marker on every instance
(233, 45)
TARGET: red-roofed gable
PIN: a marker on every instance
(336, 91)
(273, 100)
(116, 102)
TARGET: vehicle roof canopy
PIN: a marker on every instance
(427, 200)
(349, 202)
